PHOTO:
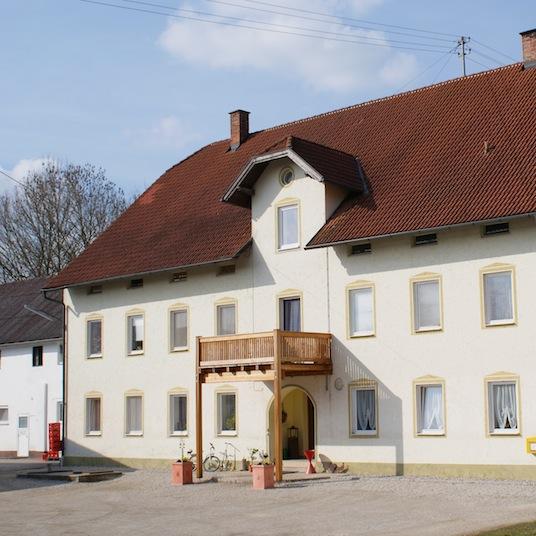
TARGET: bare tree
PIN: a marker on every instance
(61, 209)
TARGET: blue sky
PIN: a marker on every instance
(136, 92)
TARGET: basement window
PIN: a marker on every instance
(496, 228)
(95, 289)
(423, 240)
(135, 283)
(358, 249)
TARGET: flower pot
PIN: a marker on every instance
(182, 473)
(263, 476)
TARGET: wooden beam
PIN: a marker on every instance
(240, 376)
(199, 378)
(278, 424)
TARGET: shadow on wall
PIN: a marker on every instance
(91, 458)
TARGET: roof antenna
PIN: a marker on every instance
(463, 51)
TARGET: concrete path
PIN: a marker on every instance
(144, 503)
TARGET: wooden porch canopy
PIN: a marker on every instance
(268, 356)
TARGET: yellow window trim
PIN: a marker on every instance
(172, 309)
(128, 314)
(288, 293)
(356, 285)
(225, 390)
(288, 201)
(92, 394)
(420, 278)
(498, 377)
(128, 394)
(362, 384)
(493, 269)
(424, 381)
(225, 301)
(183, 392)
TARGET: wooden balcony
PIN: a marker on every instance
(254, 356)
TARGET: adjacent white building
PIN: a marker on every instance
(31, 367)
(363, 263)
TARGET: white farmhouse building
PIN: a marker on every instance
(359, 282)
(31, 367)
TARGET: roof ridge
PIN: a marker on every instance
(389, 97)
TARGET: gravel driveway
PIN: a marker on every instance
(144, 503)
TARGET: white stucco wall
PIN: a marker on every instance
(29, 391)
(462, 354)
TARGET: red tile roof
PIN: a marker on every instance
(423, 155)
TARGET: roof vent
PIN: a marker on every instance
(496, 228)
(528, 43)
(359, 249)
(135, 283)
(425, 239)
(239, 128)
(95, 289)
(227, 269)
(177, 277)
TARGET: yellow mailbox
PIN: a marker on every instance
(531, 445)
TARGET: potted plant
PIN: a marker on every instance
(263, 472)
(252, 457)
(182, 470)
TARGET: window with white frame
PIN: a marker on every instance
(179, 329)
(93, 416)
(498, 298)
(178, 414)
(226, 413)
(226, 319)
(134, 415)
(363, 411)
(361, 307)
(290, 313)
(4, 415)
(503, 411)
(59, 411)
(288, 227)
(94, 338)
(135, 334)
(430, 409)
(426, 305)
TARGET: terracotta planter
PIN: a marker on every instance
(263, 476)
(182, 473)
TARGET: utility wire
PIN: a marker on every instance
(442, 69)
(481, 64)
(278, 25)
(485, 56)
(198, 19)
(13, 179)
(494, 50)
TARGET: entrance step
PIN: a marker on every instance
(294, 466)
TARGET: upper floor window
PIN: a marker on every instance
(94, 338)
(498, 290)
(37, 356)
(426, 295)
(361, 308)
(288, 227)
(226, 319)
(179, 329)
(290, 313)
(503, 406)
(136, 334)
(430, 409)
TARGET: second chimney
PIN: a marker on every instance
(528, 42)
(239, 128)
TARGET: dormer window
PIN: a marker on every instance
(288, 226)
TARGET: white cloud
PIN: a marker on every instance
(322, 64)
(20, 170)
(169, 131)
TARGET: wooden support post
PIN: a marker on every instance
(278, 423)
(199, 378)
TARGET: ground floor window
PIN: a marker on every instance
(430, 409)
(503, 408)
(226, 413)
(4, 415)
(59, 411)
(134, 415)
(363, 409)
(93, 416)
(178, 407)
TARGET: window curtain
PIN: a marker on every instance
(178, 413)
(134, 414)
(93, 414)
(498, 297)
(365, 410)
(95, 337)
(361, 313)
(180, 335)
(228, 412)
(504, 406)
(291, 314)
(136, 332)
(432, 407)
(426, 304)
(226, 320)
(288, 225)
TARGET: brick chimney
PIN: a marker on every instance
(239, 128)
(528, 42)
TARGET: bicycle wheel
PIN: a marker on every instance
(193, 459)
(211, 463)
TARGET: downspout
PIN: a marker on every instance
(328, 300)
(64, 368)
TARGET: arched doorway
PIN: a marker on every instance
(299, 423)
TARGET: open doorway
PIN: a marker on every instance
(299, 423)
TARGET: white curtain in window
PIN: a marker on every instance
(291, 314)
(178, 413)
(431, 408)
(93, 414)
(95, 337)
(504, 406)
(226, 320)
(134, 415)
(227, 412)
(426, 304)
(361, 312)
(136, 328)
(365, 410)
(288, 225)
(498, 297)
(180, 335)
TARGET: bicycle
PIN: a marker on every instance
(212, 463)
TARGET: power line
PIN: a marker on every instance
(13, 179)
(278, 25)
(442, 69)
(494, 50)
(284, 32)
(485, 56)
(481, 64)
